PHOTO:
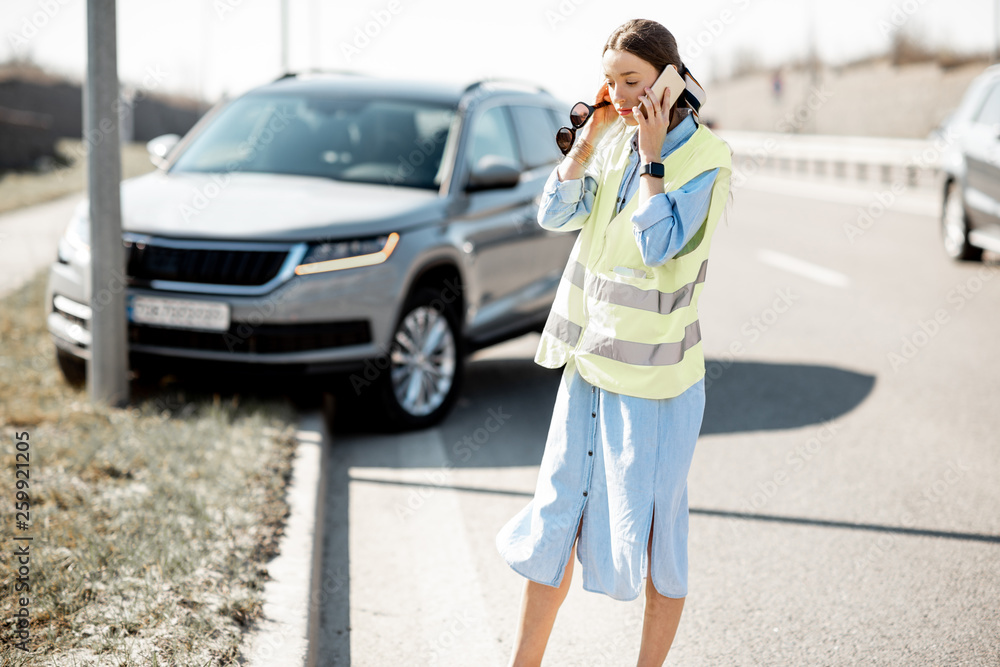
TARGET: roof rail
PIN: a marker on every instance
(314, 70)
(509, 83)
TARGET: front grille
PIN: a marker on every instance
(201, 265)
(262, 339)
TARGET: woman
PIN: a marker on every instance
(625, 325)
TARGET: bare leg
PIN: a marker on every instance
(539, 605)
(659, 625)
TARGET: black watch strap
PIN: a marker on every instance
(653, 169)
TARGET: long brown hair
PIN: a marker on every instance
(648, 40)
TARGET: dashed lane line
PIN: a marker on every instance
(820, 274)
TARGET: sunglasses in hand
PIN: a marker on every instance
(578, 116)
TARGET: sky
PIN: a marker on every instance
(207, 48)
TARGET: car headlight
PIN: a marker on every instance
(75, 241)
(338, 255)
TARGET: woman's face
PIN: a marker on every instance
(627, 76)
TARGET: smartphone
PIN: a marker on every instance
(669, 78)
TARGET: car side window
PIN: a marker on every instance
(558, 120)
(493, 136)
(989, 112)
(535, 136)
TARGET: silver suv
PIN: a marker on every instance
(360, 230)
(970, 216)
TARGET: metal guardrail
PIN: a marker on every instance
(912, 162)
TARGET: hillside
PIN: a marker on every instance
(868, 99)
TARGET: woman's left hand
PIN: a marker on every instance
(652, 130)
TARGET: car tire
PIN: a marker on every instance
(955, 227)
(74, 369)
(426, 363)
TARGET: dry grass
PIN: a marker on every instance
(152, 523)
(25, 188)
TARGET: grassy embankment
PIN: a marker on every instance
(18, 189)
(151, 524)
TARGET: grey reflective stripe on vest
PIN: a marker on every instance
(575, 271)
(621, 294)
(642, 354)
(561, 328)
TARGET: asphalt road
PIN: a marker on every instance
(29, 238)
(844, 491)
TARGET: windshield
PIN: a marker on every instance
(394, 142)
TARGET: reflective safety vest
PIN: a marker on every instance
(633, 329)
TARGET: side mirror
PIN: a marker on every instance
(159, 147)
(492, 173)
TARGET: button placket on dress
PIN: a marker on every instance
(594, 405)
(582, 546)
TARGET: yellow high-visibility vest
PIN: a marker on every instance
(633, 329)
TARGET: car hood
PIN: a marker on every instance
(274, 207)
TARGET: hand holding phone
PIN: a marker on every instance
(669, 78)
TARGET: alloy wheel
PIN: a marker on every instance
(423, 360)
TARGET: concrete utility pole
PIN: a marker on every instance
(315, 39)
(284, 36)
(107, 369)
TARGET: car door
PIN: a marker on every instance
(489, 229)
(982, 159)
(548, 250)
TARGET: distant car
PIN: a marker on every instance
(970, 220)
(335, 225)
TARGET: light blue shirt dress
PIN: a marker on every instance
(616, 465)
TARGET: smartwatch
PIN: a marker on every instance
(653, 169)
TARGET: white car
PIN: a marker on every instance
(970, 220)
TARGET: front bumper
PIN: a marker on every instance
(316, 323)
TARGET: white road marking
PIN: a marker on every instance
(820, 274)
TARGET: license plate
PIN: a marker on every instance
(179, 313)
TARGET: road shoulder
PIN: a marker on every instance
(290, 620)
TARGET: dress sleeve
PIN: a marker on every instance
(566, 205)
(664, 223)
